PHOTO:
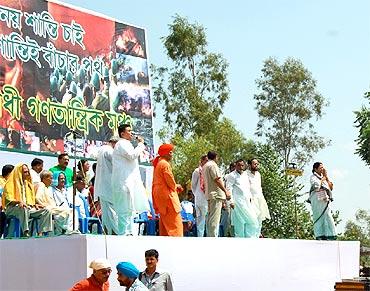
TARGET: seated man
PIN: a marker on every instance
(63, 215)
(188, 214)
(6, 170)
(81, 196)
(20, 201)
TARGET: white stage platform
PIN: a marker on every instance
(56, 263)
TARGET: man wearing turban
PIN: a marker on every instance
(128, 275)
(98, 281)
(165, 198)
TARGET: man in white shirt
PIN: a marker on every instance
(256, 189)
(37, 165)
(103, 186)
(201, 204)
(243, 214)
(128, 190)
(153, 278)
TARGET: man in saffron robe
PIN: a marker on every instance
(165, 198)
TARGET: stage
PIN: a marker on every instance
(56, 263)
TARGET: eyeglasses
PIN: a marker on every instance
(105, 271)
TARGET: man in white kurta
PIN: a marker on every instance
(37, 166)
(62, 215)
(257, 195)
(201, 203)
(243, 213)
(129, 194)
(103, 186)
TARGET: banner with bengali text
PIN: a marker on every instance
(69, 78)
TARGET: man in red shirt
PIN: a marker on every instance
(98, 281)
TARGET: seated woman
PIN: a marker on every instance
(63, 215)
(19, 200)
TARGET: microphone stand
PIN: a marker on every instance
(74, 179)
(74, 136)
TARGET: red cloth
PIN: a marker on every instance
(90, 284)
(163, 150)
(201, 180)
(95, 208)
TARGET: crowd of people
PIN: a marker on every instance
(152, 278)
(223, 205)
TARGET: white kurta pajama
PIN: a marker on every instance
(244, 216)
(129, 194)
(257, 197)
(103, 188)
(62, 215)
(201, 203)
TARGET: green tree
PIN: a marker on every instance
(359, 230)
(193, 91)
(288, 104)
(224, 138)
(194, 88)
(362, 122)
(279, 191)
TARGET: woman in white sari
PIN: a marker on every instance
(320, 198)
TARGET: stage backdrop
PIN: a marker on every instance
(66, 70)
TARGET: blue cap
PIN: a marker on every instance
(128, 269)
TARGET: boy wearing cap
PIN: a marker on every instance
(128, 276)
(98, 281)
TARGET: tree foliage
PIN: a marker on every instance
(362, 122)
(279, 191)
(194, 89)
(359, 230)
(288, 104)
(224, 138)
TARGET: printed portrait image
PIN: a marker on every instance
(129, 40)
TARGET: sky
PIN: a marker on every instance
(331, 38)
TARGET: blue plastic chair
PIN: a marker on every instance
(87, 221)
(16, 226)
(142, 219)
(153, 222)
(186, 218)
